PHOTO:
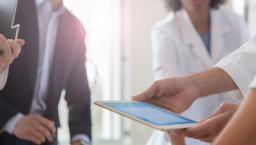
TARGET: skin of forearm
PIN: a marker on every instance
(212, 82)
(241, 129)
(177, 140)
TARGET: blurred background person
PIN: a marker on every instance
(53, 60)
(195, 35)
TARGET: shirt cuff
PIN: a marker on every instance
(84, 139)
(11, 124)
(237, 74)
(239, 65)
(253, 84)
(3, 77)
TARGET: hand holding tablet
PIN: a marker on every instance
(148, 114)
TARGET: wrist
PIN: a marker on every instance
(3, 68)
(11, 124)
(80, 139)
(191, 83)
(80, 142)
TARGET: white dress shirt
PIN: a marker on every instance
(48, 27)
(48, 21)
(3, 77)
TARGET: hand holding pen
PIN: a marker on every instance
(9, 50)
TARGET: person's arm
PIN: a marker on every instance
(239, 65)
(207, 130)
(212, 82)
(178, 94)
(10, 50)
(12, 121)
(7, 111)
(233, 72)
(241, 129)
(177, 139)
(78, 97)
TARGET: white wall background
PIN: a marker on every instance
(139, 17)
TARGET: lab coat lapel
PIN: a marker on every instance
(219, 29)
(192, 38)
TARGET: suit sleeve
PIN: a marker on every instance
(165, 55)
(78, 93)
(7, 111)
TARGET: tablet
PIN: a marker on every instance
(148, 114)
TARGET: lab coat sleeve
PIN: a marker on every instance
(3, 77)
(253, 84)
(165, 59)
(240, 65)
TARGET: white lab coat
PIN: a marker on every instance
(178, 50)
(253, 84)
(240, 66)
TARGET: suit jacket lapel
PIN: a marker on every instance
(29, 32)
(59, 52)
(57, 67)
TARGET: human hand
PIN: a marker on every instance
(35, 128)
(209, 129)
(9, 50)
(175, 94)
(76, 143)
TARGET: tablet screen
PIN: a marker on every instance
(149, 113)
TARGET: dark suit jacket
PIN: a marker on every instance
(68, 72)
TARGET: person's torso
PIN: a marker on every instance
(23, 72)
(193, 57)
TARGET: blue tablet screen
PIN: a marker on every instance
(149, 113)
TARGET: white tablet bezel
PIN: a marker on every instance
(162, 128)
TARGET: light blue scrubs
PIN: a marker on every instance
(206, 37)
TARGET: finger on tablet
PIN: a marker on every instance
(149, 93)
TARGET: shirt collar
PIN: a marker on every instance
(39, 2)
(60, 11)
